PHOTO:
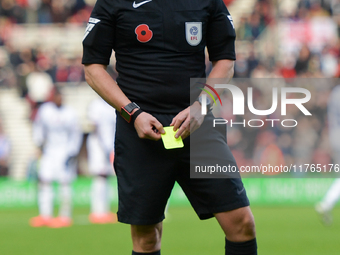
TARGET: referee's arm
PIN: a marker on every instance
(223, 70)
(101, 82)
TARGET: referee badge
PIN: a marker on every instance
(193, 32)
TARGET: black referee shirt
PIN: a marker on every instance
(159, 46)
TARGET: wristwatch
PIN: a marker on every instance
(126, 111)
(209, 103)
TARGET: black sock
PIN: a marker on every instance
(151, 253)
(241, 248)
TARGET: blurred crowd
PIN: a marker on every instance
(33, 71)
(252, 26)
(305, 60)
(45, 11)
(16, 65)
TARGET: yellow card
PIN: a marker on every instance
(169, 140)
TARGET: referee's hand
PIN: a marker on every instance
(188, 120)
(148, 127)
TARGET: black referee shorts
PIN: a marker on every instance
(146, 174)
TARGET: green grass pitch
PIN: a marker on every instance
(280, 230)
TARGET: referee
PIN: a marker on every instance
(159, 45)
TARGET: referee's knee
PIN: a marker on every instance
(146, 238)
(248, 226)
(243, 228)
(148, 244)
(238, 225)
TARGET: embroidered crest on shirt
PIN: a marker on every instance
(193, 32)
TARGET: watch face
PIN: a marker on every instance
(125, 115)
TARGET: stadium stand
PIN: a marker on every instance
(15, 111)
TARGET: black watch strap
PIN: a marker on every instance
(135, 115)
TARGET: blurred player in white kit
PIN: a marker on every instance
(327, 204)
(100, 146)
(57, 133)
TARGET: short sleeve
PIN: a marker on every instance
(220, 33)
(99, 36)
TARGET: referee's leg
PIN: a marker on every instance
(146, 239)
(239, 228)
